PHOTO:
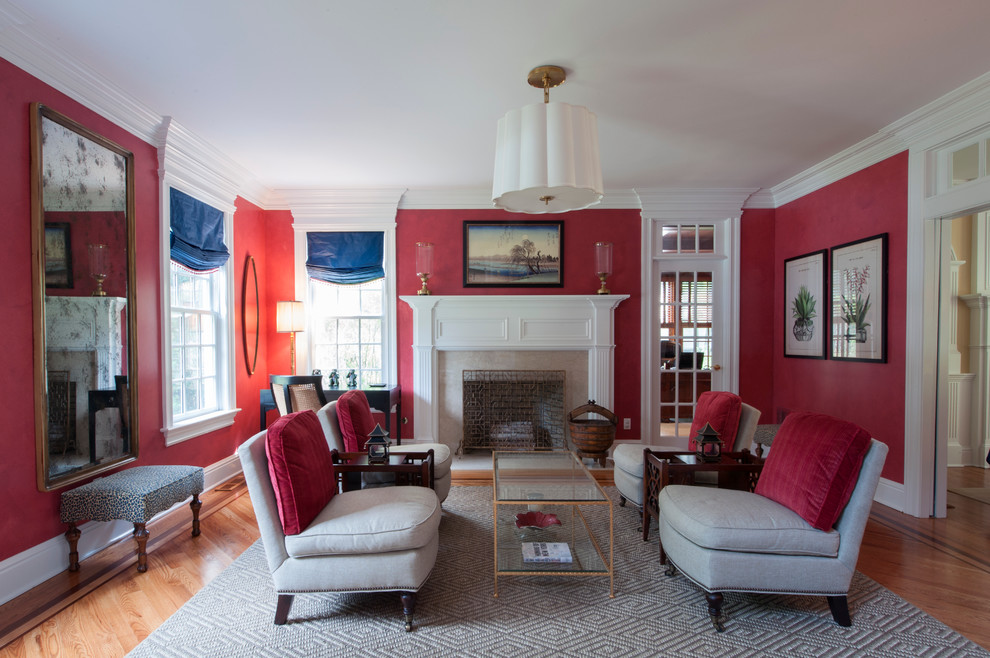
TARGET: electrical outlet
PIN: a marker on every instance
(627, 423)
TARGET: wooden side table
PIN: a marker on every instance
(736, 470)
(410, 468)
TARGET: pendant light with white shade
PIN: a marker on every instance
(546, 154)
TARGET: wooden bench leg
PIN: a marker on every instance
(72, 536)
(141, 536)
(195, 505)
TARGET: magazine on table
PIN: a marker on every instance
(544, 551)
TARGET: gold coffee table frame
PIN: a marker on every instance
(550, 482)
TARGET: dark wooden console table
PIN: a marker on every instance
(383, 399)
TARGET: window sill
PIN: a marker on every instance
(198, 426)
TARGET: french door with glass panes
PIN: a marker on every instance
(689, 331)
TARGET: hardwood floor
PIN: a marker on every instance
(107, 608)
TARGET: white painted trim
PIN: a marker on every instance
(30, 568)
(191, 177)
(347, 210)
(183, 431)
(890, 493)
(508, 323)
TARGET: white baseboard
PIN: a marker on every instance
(37, 564)
(891, 494)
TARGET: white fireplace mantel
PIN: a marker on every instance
(509, 323)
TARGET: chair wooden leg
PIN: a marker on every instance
(646, 522)
(622, 500)
(839, 606)
(282, 608)
(408, 606)
(195, 506)
(715, 609)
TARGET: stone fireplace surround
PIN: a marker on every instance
(451, 333)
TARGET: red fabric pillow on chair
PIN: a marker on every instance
(355, 420)
(813, 466)
(721, 410)
(301, 469)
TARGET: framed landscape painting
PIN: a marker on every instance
(859, 300)
(806, 308)
(58, 255)
(513, 254)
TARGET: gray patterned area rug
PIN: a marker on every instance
(456, 614)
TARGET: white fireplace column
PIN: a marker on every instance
(508, 323)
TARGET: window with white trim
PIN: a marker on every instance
(197, 292)
(346, 325)
(197, 313)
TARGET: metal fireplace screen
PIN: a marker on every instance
(513, 410)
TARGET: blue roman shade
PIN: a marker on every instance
(345, 257)
(196, 239)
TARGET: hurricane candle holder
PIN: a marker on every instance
(98, 267)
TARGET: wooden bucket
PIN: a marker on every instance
(592, 436)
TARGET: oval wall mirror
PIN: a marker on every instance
(85, 354)
(250, 315)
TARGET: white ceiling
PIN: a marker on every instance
(393, 93)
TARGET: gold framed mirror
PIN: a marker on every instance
(250, 315)
(83, 274)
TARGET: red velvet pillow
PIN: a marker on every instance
(301, 469)
(721, 410)
(813, 466)
(354, 418)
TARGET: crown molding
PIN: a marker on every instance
(969, 103)
(314, 205)
(698, 204)
(21, 44)
(762, 198)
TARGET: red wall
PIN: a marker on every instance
(866, 203)
(756, 311)
(30, 516)
(444, 228)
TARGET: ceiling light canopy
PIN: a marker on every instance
(546, 154)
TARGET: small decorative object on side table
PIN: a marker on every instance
(334, 379)
(351, 379)
(708, 445)
(377, 446)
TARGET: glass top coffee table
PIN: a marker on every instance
(540, 487)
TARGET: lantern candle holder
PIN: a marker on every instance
(708, 445)
(377, 446)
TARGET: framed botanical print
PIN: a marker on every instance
(58, 255)
(806, 307)
(513, 254)
(859, 300)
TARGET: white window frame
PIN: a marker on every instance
(191, 426)
(389, 331)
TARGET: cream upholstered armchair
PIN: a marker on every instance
(799, 533)
(358, 423)
(319, 540)
(628, 457)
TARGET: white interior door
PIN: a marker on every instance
(690, 333)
